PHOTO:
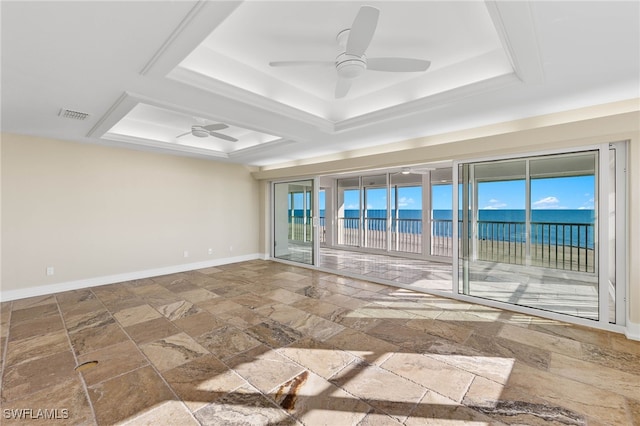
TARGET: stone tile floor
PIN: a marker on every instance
(555, 290)
(264, 343)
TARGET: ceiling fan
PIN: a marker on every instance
(352, 61)
(202, 131)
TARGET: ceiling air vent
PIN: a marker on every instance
(74, 115)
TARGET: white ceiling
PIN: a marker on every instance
(147, 71)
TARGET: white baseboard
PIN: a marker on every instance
(632, 330)
(112, 279)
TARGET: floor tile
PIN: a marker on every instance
(324, 349)
(31, 302)
(601, 406)
(66, 401)
(435, 375)
(136, 315)
(199, 323)
(97, 318)
(241, 318)
(609, 379)
(368, 348)
(244, 408)
(608, 357)
(251, 300)
(497, 369)
(321, 309)
(198, 295)
(313, 400)
(167, 413)
(169, 352)
(34, 312)
(128, 396)
(499, 347)
(274, 334)
(444, 329)
(284, 296)
(148, 331)
(436, 410)
(264, 368)
(202, 381)
(117, 297)
(35, 327)
(541, 340)
(36, 375)
(112, 361)
(227, 342)
(399, 334)
(93, 338)
(176, 310)
(32, 348)
(381, 389)
(219, 305)
(317, 357)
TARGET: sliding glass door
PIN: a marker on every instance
(293, 226)
(529, 232)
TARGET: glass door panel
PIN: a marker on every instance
(375, 211)
(349, 212)
(528, 233)
(406, 213)
(322, 204)
(293, 221)
(441, 243)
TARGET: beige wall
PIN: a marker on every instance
(588, 126)
(93, 211)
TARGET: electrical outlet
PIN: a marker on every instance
(50, 270)
(210, 251)
(186, 253)
(230, 248)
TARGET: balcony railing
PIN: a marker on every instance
(300, 228)
(406, 234)
(568, 246)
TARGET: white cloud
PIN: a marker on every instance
(546, 203)
(404, 201)
(587, 205)
(494, 204)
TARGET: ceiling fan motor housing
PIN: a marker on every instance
(199, 132)
(350, 66)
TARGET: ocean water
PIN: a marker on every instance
(557, 226)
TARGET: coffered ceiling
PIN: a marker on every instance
(147, 72)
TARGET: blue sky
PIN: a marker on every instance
(554, 193)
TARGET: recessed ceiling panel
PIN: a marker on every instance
(169, 128)
(459, 38)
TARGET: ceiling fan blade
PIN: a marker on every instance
(212, 127)
(302, 64)
(184, 134)
(362, 30)
(342, 87)
(222, 136)
(397, 64)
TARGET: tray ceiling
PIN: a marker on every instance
(145, 72)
